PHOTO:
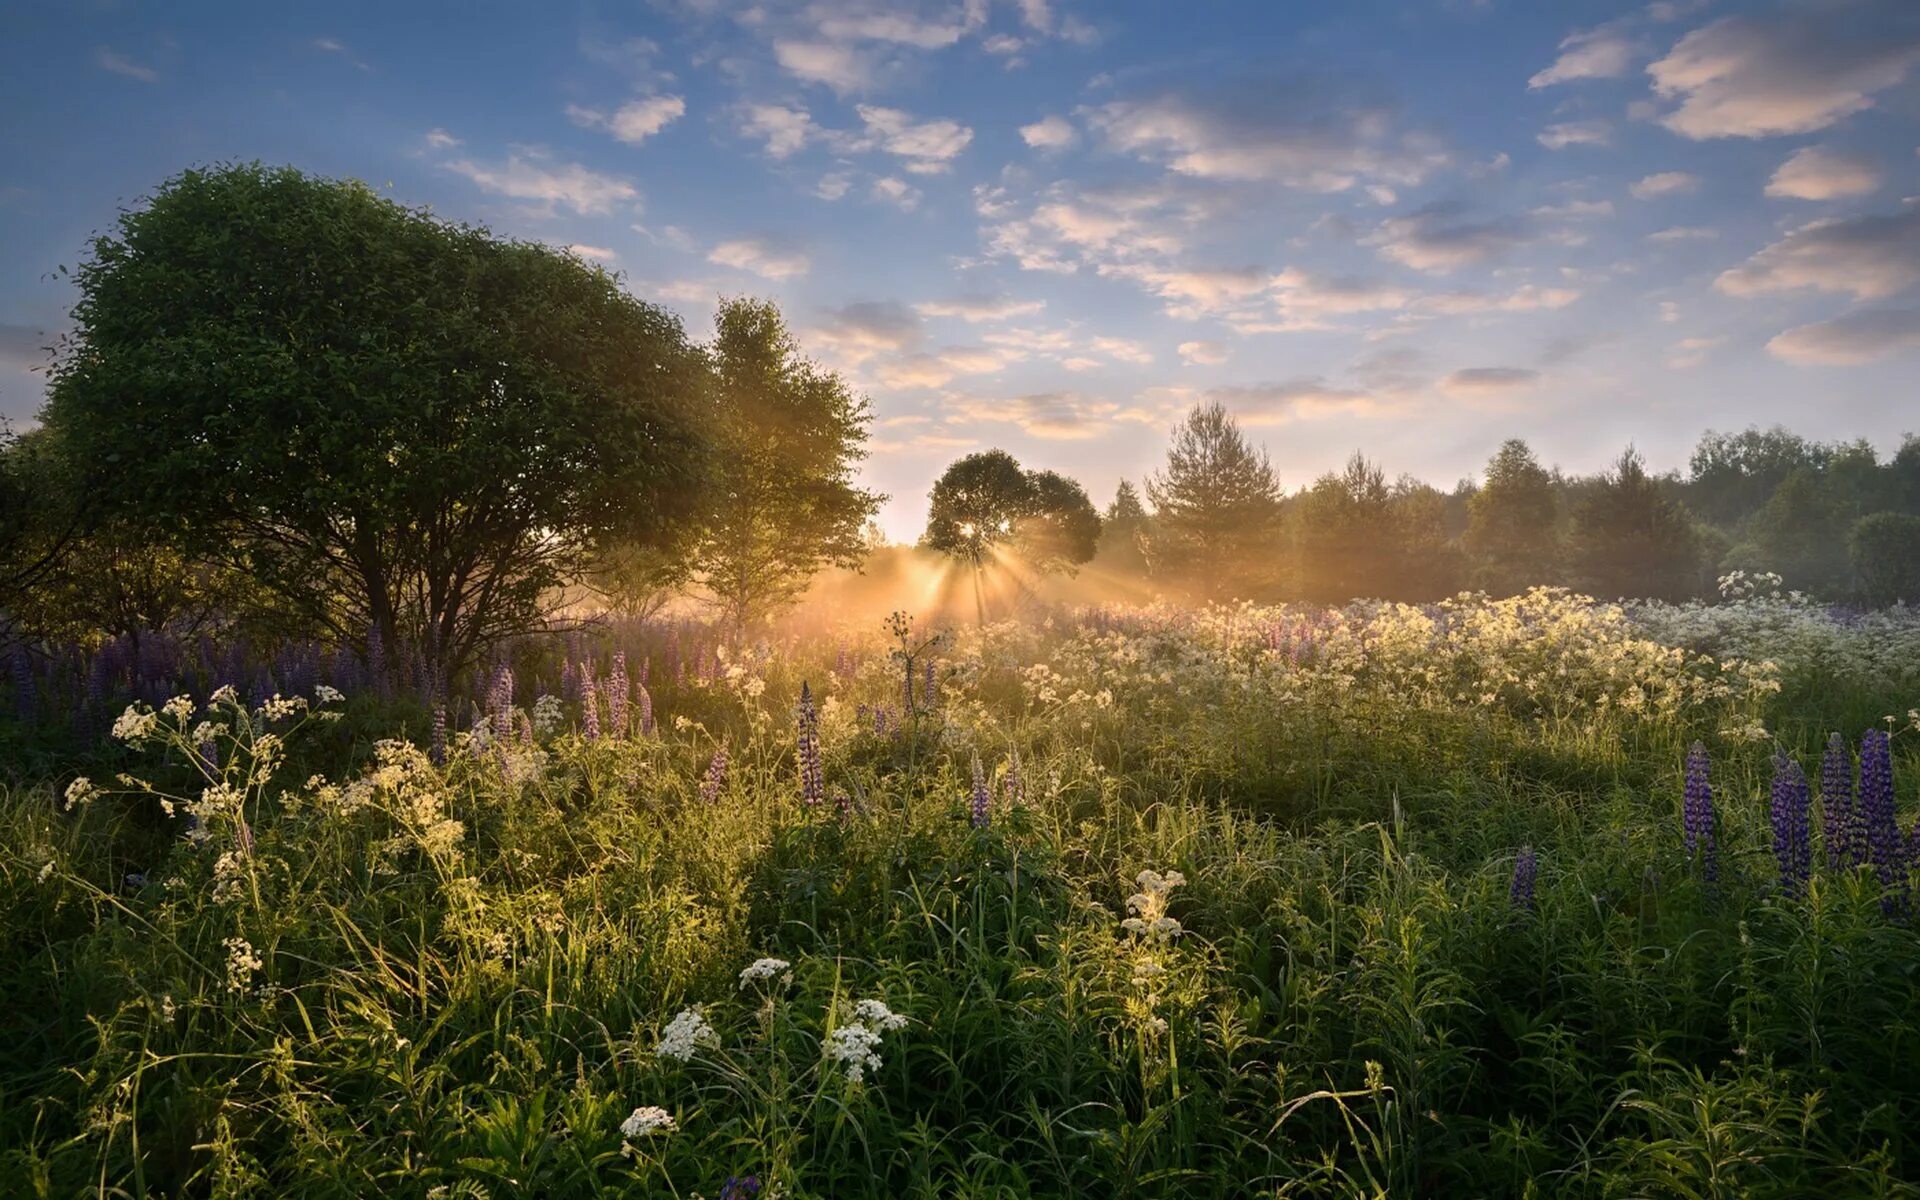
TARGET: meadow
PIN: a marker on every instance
(1537, 896)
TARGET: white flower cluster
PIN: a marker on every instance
(242, 962)
(81, 792)
(855, 1047)
(328, 695)
(686, 1033)
(767, 968)
(1149, 906)
(645, 1120)
(548, 716)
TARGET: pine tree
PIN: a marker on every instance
(1123, 532)
(1512, 524)
(1630, 539)
(1216, 509)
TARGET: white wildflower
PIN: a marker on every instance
(767, 968)
(224, 694)
(179, 708)
(328, 695)
(135, 725)
(855, 1047)
(686, 1033)
(645, 1120)
(242, 962)
(548, 716)
(81, 791)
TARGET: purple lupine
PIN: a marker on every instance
(589, 702)
(881, 718)
(500, 703)
(1013, 785)
(716, 777)
(1792, 835)
(23, 698)
(1526, 868)
(842, 804)
(1876, 816)
(982, 796)
(438, 750)
(1837, 807)
(740, 1187)
(929, 692)
(813, 786)
(569, 683)
(644, 700)
(843, 662)
(1697, 813)
(617, 694)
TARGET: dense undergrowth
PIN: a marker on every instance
(1247, 902)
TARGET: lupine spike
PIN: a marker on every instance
(1792, 835)
(813, 786)
(1697, 812)
(1526, 867)
(438, 750)
(617, 693)
(500, 702)
(1875, 814)
(1014, 785)
(644, 699)
(1836, 804)
(982, 801)
(716, 778)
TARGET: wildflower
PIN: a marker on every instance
(328, 695)
(1792, 839)
(242, 962)
(644, 699)
(1526, 867)
(646, 1120)
(82, 792)
(687, 1032)
(813, 788)
(982, 798)
(618, 692)
(767, 968)
(740, 1187)
(589, 702)
(135, 725)
(1697, 812)
(223, 695)
(500, 703)
(855, 1047)
(1013, 786)
(1875, 816)
(1836, 805)
(1149, 906)
(716, 777)
(437, 754)
(229, 878)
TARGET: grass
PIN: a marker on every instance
(463, 973)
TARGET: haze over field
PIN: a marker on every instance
(1414, 227)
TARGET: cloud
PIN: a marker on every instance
(633, 122)
(940, 367)
(928, 146)
(597, 253)
(1292, 136)
(1485, 383)
(896, 191)
(109, 59)
(1858, 337)
(768, 258)
(1870, 257)
(1439, 238)
(331, 45)
(1691, 352)
(1123, 350)
(1575, 133)
(1049, 133)
(1817, 173)
(834, 64)
(1303, 399)
(783, 130)
(1756, 77)
(860, 331)
(1602, 53)
(1575, 210)
(1527, 298)
(1059, 416)
(1684, 233)
(899, 24)
(976, 309)
(832, 186)
(532, 177)
(1203, 353)
(439, 139)
(1665, 183)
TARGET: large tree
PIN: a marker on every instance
(41, 511)
(409, 430)
(1216, 509)
(985, 505)
(1631, 539)
(793, 434)
(1513, 523)
(1124, 530)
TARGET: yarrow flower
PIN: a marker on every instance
(242, 962)
(81, 792)
(767, 968)
(855, 1047)
(1792, 836)
(1697, 812)
(328, 695)
(1149, 906)
(687, 1032)
(646, 1120)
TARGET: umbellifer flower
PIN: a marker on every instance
(645, 1120)
(687, 1032)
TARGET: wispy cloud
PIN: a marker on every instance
(549, 184)
(109, 59)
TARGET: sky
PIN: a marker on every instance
(1407, 227)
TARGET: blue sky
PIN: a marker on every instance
(1412, 228)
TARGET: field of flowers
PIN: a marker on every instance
(1531, 897)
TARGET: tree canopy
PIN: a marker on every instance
(409, 429)
(987, 501)
(1216, 509)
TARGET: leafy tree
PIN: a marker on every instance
(1357, 536)
(1630, 538)
(985, 501)
(1799, 533)
(1885, 549)
(400, 426)
(1216, 509)
(1512, 523)
(40, 519)
(1124, 530)
(793, 434)
(1732, 474)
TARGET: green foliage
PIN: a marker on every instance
(1356, 536)
(1630, 538)
(786, 505)
(1216, 510)
(1885, 550)
(1800, 535)
(41, 512)
(987, 500)
(393, 423)
(1513, 528)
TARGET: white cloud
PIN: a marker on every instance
(1438, 238)
(1688, 353)
(832, 186)
(1665, 183)
(112, 60)
(1817, 173)
(1859, 337)
(928, 146)
(1049, 133)
(1575, 133)
(1869, 257)
(860, 331)
(1294, 400)
(896, 191)
(1755, 77)
(783, 130)
(1058, 416)
(940, 367)
(597, 253)
(1575, 210)
(1684, 233)
(834, 64)
(633, 122)
(1203, 353)
(1602, 53)
(1123, 350)
(439, 139)
(980, 308)
(1291, 138)
(532, 177)
(764, 257)
(1488, 383)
